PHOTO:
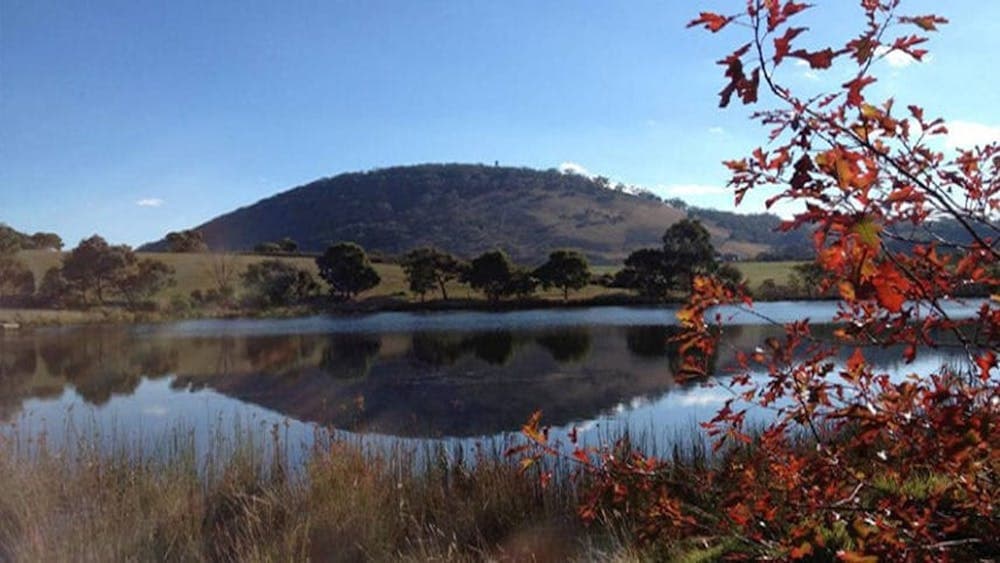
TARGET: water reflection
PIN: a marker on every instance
(424, 383)
(569, 345)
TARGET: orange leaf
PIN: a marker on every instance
(801, 551)
(531, 430)
(846, 290)
(890, 287)
(856, 361)
(986, 362)
(856, 557)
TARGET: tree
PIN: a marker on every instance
(267, 248)
(490, 273)
(565, 269)
(16, 280)
(190, 240)
(810, 277)
(729, 275)
(346, 268)
(10, 240)
(96, 266)
(277, 283)
(288, 245)
(855, 464)
(142, 279)
(222, 268)
(646, 271)
(687, 251)
(46, 241)
(54, 291)
(522, 284)
(428, 267)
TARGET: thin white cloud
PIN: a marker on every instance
(149, 202)
(895, 57)
(716, 130)
(574, 168)
(968, 134)
(693, 190)
(810, 75)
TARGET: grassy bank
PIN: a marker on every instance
(239, 501)
(343, 505)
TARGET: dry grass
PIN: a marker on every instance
(242, 504)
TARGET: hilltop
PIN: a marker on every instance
(465, 209)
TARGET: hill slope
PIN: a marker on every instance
(462, 208)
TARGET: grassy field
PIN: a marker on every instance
(757, 272)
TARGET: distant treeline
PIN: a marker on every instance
(12, 240)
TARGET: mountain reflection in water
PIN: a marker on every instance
(416, 384)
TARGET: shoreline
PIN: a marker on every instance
(17, 319)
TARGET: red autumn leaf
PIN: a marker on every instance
(926, 23)
(816, 59)
(906, 44)
(778, 14)
(862, 48)
(749, 87)
(783, 44)
(792, 8)
(712, 21)
(986, 362)
(854, 88)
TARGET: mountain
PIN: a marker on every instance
(465, 209)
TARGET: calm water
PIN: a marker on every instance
(456, 378)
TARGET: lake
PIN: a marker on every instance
(455, 378)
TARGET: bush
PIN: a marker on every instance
(275, 283)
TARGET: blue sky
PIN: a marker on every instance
(134, 118)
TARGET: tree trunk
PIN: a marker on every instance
(444, 292)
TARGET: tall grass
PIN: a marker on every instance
(244, 501)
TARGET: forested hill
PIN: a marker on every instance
(461, 208)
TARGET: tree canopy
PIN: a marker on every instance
(427, 268)
(491, 273)
(346, 268)
(566, 270)
(687, 251)
(186, 241)
(97, 268)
